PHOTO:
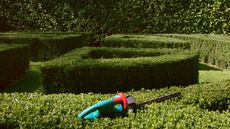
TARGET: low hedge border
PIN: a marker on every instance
(78, 72)
(144, 41)
(14, 60)
(34, 110)
(213, 49)
(46, 46)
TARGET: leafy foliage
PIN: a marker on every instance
(46, 46)
(213, 49)
(119, 16)
(201, 106)
(119, 69)
(33, 110)
(144, 41)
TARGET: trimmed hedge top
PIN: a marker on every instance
(94, 53)
(28, 37)
(33, 110)
(143, 38)
(48, 45)
(144, 41)
(7, 47)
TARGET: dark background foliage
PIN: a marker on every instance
(116, 16)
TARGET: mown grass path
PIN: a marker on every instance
(208, 73)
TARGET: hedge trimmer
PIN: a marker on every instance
(118, 105)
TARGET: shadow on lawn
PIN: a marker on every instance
(206, 67)
(30, 83)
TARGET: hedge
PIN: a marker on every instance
(78, 71)
(34, 110)
(213, 49)
(144, 41)
(48, 45)
(118, 16)
(14, 60)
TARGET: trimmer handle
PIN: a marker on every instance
(121, 99)
(105, 107)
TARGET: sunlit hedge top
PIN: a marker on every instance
(201, 106)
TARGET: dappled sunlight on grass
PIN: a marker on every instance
(210, 73)
(213, 76)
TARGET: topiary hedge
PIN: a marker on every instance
(14, 60)
(144, 41)
(33, 110)
(46, 46)
(119, 69)
(213, 49)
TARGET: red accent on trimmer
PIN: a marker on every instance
(122, 99)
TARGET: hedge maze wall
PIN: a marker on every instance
(46, 46)
(113, 69)
(14, 61)
(213, 49)
(105, 69)
(144, 41)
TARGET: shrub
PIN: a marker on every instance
(144, 41)
(213, 49)
(120, 16)
(214, 97)
(33, 110)
(78, 71)
(14, 60)
(46, 46)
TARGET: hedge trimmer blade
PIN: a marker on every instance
(133, 106)
(160, 99)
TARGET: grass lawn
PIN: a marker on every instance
(209, 73)
(213, 76)
(32, 82)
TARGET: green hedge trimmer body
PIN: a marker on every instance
(118, 105)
